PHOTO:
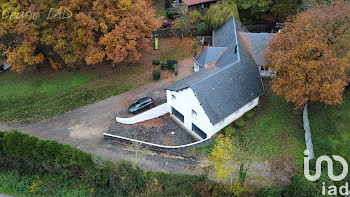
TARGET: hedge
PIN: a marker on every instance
(34, 158)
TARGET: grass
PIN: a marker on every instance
(175, 54)
(28, 98)
(16, 184)
(34, 96)
(275, 132)
(330, 128)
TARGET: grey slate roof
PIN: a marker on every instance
(257, 43)
(209, 55)
(235, 82)
(188, 81)
(225, 37)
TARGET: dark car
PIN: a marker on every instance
(141, 104)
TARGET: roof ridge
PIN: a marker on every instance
(222, 69)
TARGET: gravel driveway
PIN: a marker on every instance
(83, 128)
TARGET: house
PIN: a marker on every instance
(255, 43)
(190, 5)
(227, 84)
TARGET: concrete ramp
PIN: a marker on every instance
(147, 115)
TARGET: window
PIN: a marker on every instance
(173, 97)
(194, 114)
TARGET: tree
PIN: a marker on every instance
(312, 55)
(282, 9)
(75, 32)
(307, 4)
(184, 23)
(223, 160)
(218, 14)
(255, 8)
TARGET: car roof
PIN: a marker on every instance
(145, 99)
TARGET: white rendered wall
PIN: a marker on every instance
(234, 116)
(147, 115)
(186, 101)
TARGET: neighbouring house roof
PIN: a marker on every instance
(195, 2)
(234, 82)
(257, 43)
(209, 55)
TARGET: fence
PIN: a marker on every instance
(169, 32)
(308, 139)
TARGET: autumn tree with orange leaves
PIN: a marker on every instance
(311, 55)
(74, 32)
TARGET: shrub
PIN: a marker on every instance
(163, 66)
(202, 28)
(155, 62)
(229, 131)
(173, 13)
(195, 16)
(272, 191)
(249, 115)
(239, 123)
(53, 155)
(300, 186)
(195, 52)
(171, 63)
(156, 74)
(195, 44)
(174, 68)
(202, 189)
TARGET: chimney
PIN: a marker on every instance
(236, 49)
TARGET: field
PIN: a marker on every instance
(36, 95)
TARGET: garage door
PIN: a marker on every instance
(199, 132)
(177, 114)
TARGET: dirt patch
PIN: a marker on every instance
(156, 122)
(126, 101)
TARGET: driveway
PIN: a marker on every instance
(84, 127)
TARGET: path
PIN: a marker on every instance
(84, 127)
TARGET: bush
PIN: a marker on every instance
(272, 191)
(173, 13)
(174, 68)
(163, 66)
(53, 155)
(195, 16)
(229, 131)
(300, 186)
(155, 62)
(249, 115)
(156, 74)
(171, 63)
(67, 171)
(195, 44)
(202, 28)
(239, 123)
(195, 52)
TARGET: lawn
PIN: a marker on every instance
(276, 134)
(37, 95)
(330, 128)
